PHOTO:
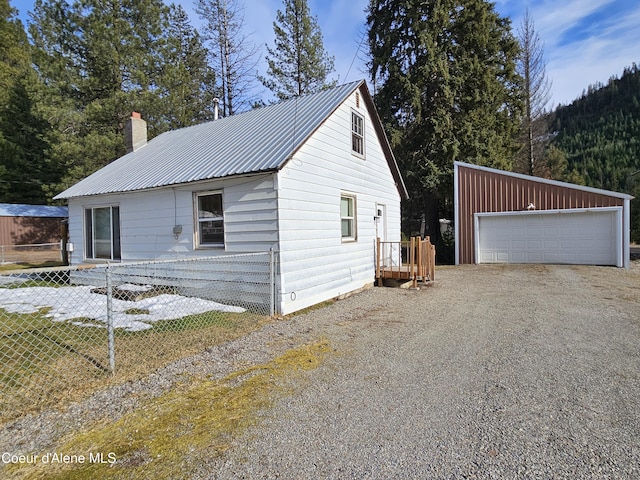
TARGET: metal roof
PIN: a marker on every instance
(22, 210)
(259, 140)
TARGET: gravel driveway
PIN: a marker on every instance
(494, 372)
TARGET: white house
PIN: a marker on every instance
(313, 178)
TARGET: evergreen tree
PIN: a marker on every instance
(23, 167)
(298, 64)
(187, 83)
(447, 90)
(536, 91)
(233, 56)
(99, 61)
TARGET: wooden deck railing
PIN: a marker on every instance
(409, 260)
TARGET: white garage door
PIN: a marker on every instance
(577, 236)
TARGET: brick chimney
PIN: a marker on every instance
(135, 133)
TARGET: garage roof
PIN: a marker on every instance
(23, 210)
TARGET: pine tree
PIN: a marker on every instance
(446, 89)
(233, 55)
(298, 64)
(537, 93)
(186, 82)
(99, 61)
(23, 167)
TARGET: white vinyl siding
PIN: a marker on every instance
(147, 219)
(315, 263)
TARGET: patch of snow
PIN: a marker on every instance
(130, 287)
(73, 303)
(12, 279)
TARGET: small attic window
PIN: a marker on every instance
(357, 99)
(357, 134)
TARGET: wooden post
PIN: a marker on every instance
(413, 271)
(418, 257)
(432, 270)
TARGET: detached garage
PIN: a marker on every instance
(505, 217)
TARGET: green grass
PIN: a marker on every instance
(167, 437)
(23, 265)
(30, 343)
(45, 363)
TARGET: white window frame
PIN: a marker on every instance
(200, 219)
(351, 219)
(115, 236)
(357, 134)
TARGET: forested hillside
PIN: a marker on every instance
(600, 136)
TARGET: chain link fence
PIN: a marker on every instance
(67, 331)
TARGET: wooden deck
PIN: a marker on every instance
(412, 260)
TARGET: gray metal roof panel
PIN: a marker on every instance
(23, 210)
(255, 141)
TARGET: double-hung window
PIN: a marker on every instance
(348, 218)
(102, 233)
(357, 134)
(210, 219)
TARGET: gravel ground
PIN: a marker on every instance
(494, 372)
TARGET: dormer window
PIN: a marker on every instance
(357, 134)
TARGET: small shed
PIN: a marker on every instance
(22, 224)
(506, 217)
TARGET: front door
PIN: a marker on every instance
(389, 251)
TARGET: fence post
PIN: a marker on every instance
(112, 356)
(272, 299)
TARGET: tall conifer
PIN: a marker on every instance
(99, 61)
(446, 88)
(298, 63)
(233, 56)
(24, 171)
(537, 93)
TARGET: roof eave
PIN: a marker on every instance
(170, 185)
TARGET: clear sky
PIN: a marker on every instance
(585, 41)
